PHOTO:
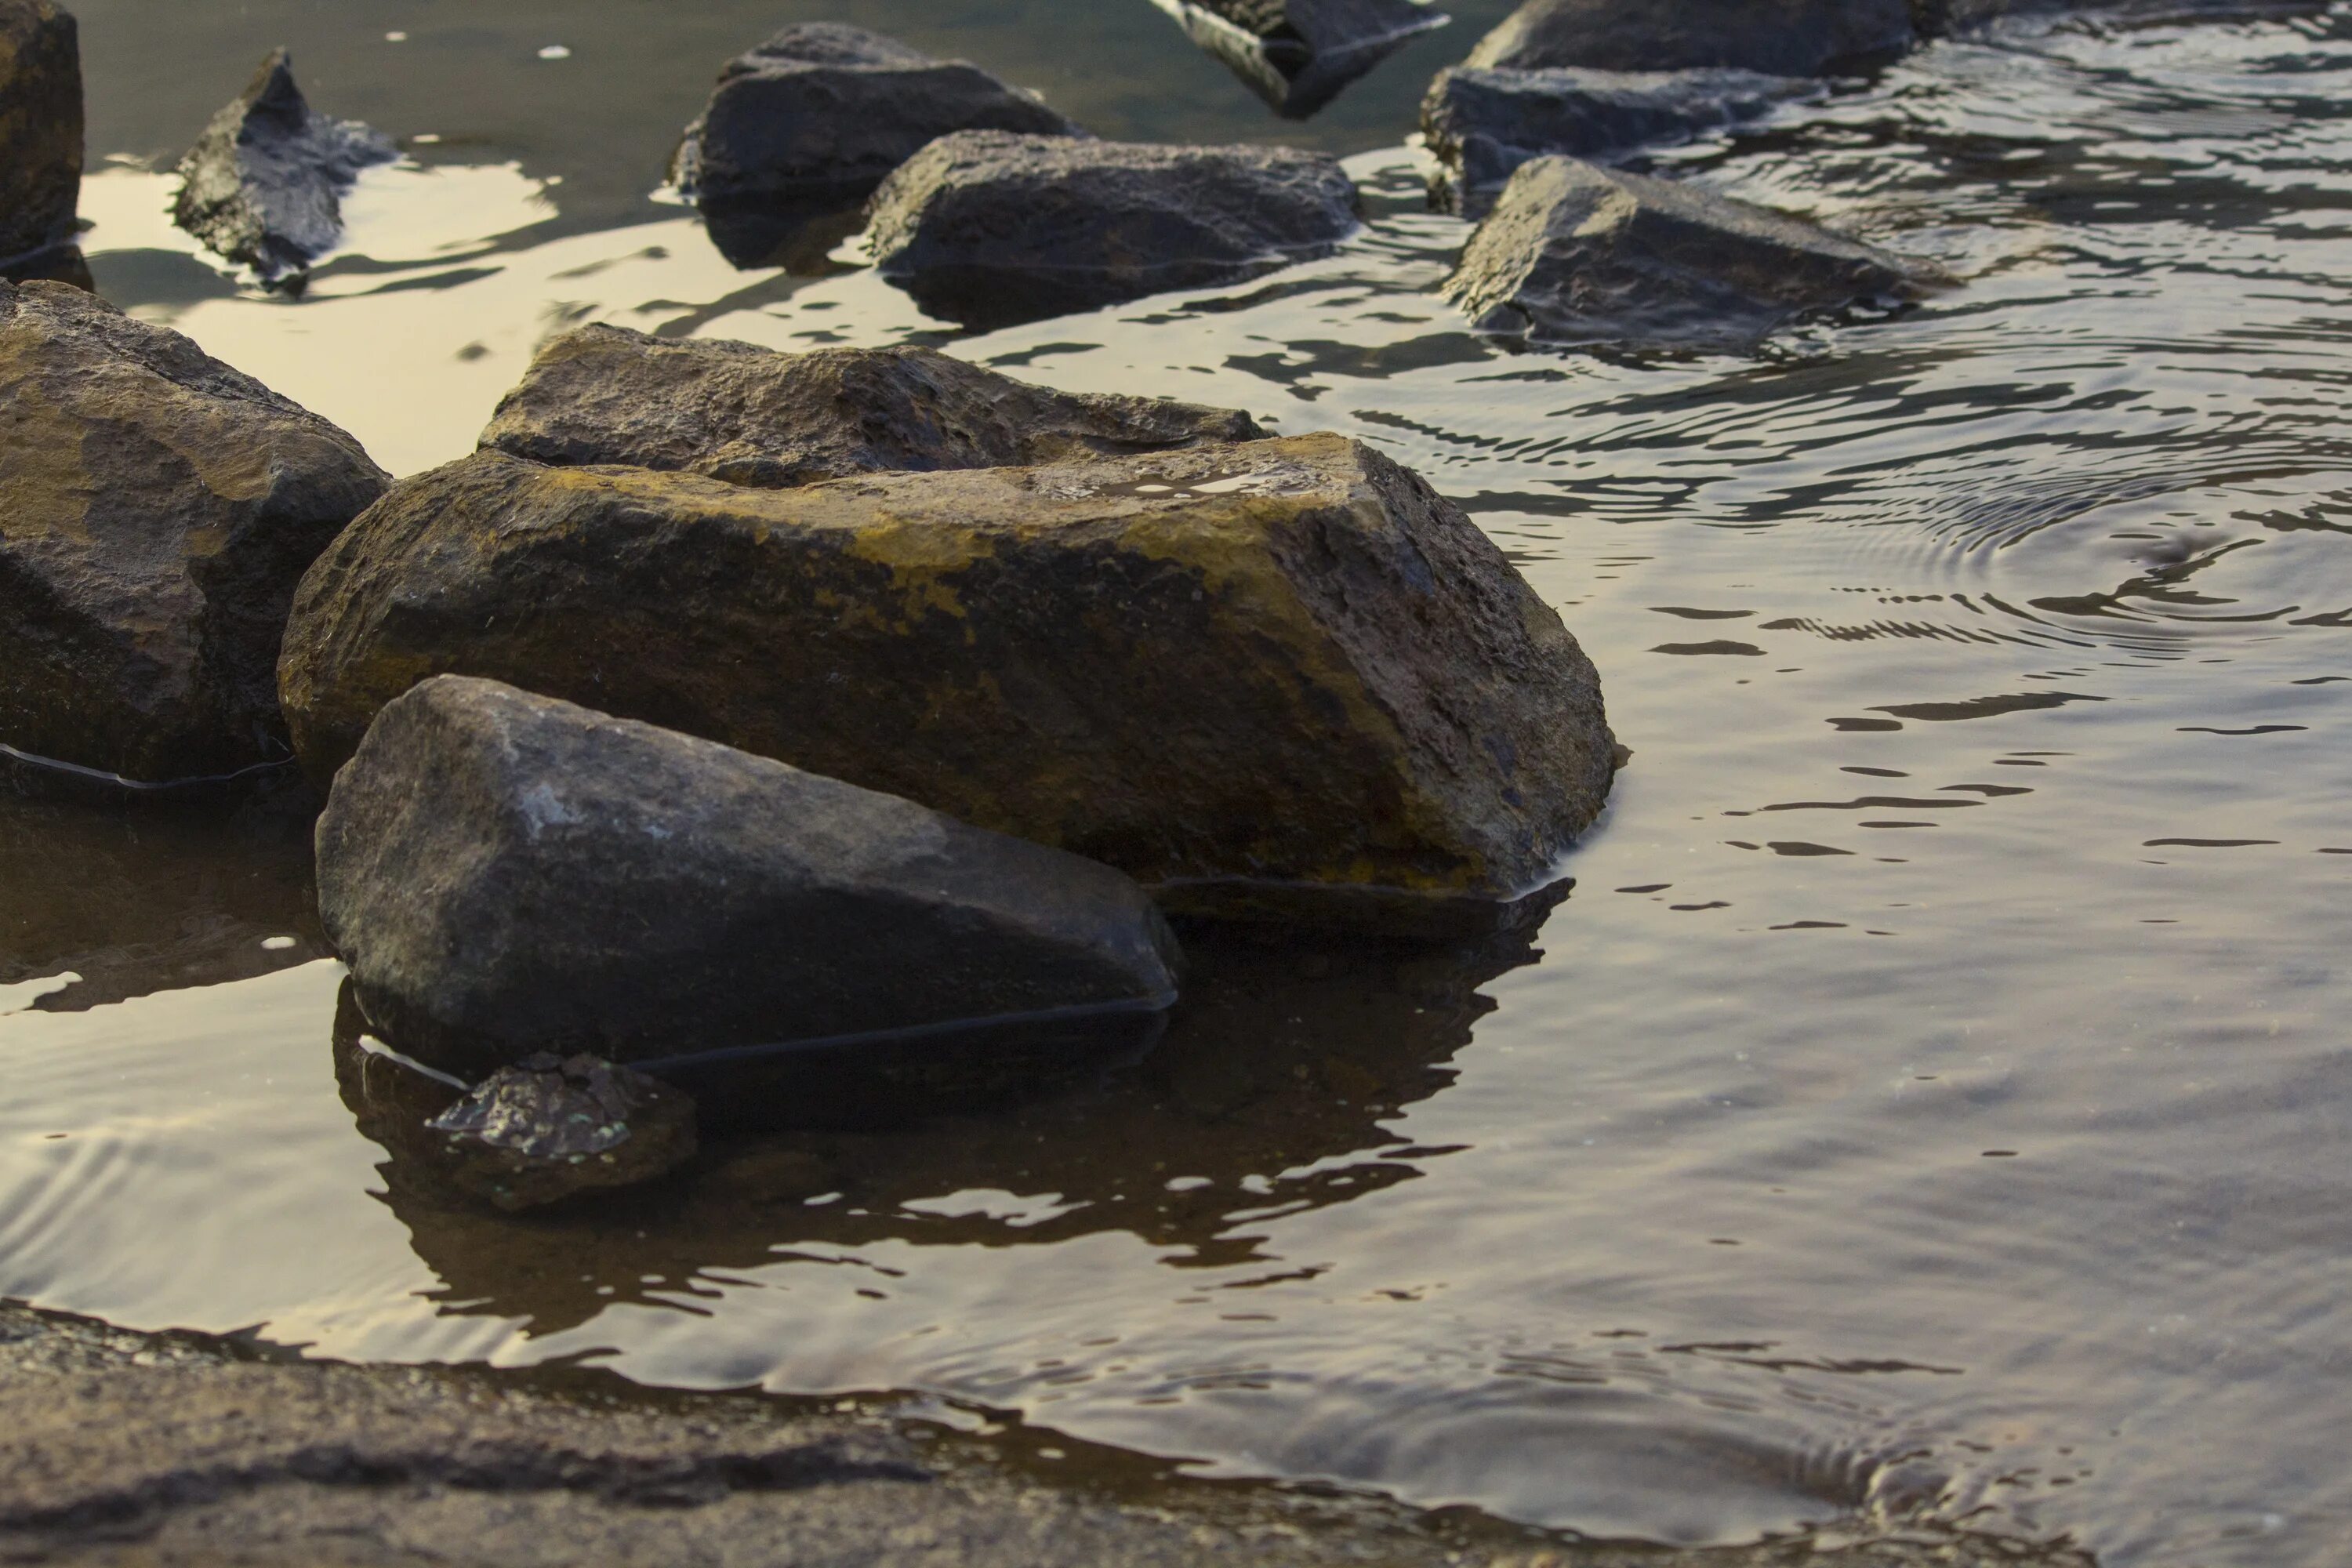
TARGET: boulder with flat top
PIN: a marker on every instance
(40, 126)
(1780, 37)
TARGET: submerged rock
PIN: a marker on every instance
(40, 126)
(507, 874)
(1284, 674)
(264, 184)
(753, 416)
(550, 1128)
(1481, 125)
(1299, 55)
(989, 229)
(1780, 37)
(156, 510)
(799, 131)
(1576, 254)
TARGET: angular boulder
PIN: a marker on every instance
(1779, 37)
(1299, 55)
(753, 416)
(1481, 125)
(264, 184)
(989, 229)
(799, 131)
(156, 511)
(40, 126)
(1283, 674)
(1577, 254)
(507, 874)
(550, 1128)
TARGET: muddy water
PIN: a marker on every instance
(1931, 1104)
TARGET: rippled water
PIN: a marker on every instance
(1933, 1101)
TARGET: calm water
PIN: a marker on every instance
(1933, 1100)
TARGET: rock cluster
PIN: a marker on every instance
(40, 126)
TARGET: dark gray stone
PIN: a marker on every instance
(1481, 125)
(1577, 254)
(40, 126)
(1299, 55)
(799, 131)
(550, 1128)
(507, 874)
(1779, 37)
(1943, 16)
(753, 417)
(264, 184)
(990, 229)
(156, 511)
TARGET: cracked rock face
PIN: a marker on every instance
(1299, 55)
(550, 1128)
(40, 126)
(753, 417)
(1780, 37)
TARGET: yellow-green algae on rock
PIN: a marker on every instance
(1234, 672)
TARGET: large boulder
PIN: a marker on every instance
(1577, 254)
(156, 511)
(799, 131)
(1299, 55)
(507, 874)
(264, 184)
(1782, 37)
(1285, 673)
(1481, 125)
(990, 229)
(40, 126)
(753, 416)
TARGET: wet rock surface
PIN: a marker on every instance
(799, 131)
(753, 416)
(156, 510)
(1299, 55)
(40, 126)
(1938, 16)
(1483, 125)
(1577, 254)
(1781, 38)
(507, 874)
(989, 229)
(264, 184)
(1239, 673)
(550, 1128)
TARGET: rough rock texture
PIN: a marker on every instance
(40, 126)
(753, 416)
(1280, 663)
(550, 1128)
(264, 184)
(799, 131)
(1299, 55)
(990, 229)
(1781, 38)
(506, 873)
(1481, 125)
(1576, 254)
(156, 510)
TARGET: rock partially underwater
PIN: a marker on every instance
(40, 126)
(989, 229)
(1577, 254)
(1780, 37)
(753, 416)
(156, 511)
(799, 131)
(550, 1128)
(264, 184)
(1299, 55)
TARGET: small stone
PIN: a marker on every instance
(1299, 55)
(40, 126)
(1779, 37)
(550, 1128)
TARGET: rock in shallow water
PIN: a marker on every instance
(1780, 37)
(753, 417)
(1299, 55)
(507, 874)
(264, 184)
(40, 126)
(1576, 254)
(156, 510)
(989, 229)
(550, 1128)
(1278, 673)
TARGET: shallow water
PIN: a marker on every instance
(1932, 1102)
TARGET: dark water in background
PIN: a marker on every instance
(1933, 1100)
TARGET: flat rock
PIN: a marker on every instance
(1299, 55)
(1577, 254)
(1779, 37)
(40, 126)
(1481, 125)
(264, 184)
(799, 131)
(550, 1128)
(507, 874)
(990, 229)
(1279, 674)
(156, 510)
(753, 417)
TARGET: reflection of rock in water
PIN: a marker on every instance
(1299, 55)
(59, 264)
(798, 235)
(1280, 1059)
